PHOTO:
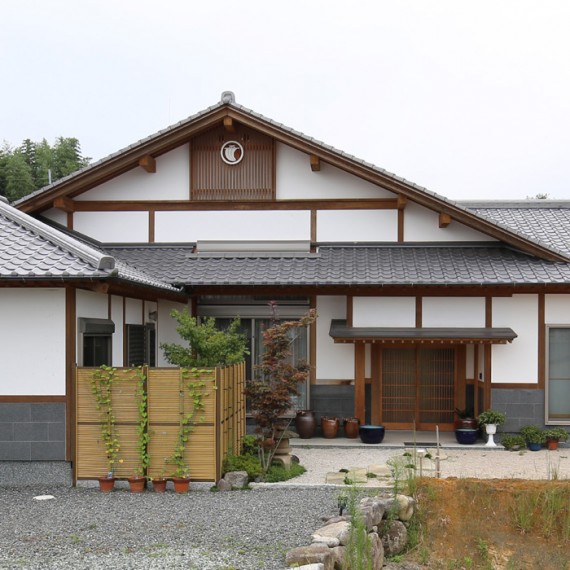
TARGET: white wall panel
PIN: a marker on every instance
(117, 340)
(357, 225)
(516, 362)
(32, 342)
(166, 328)
(56, 215)
(296, 180)
(171, 181)
(232, 226)
(334, 361)
(557, 309)
(453, 312)
(133, 312)
(421, 224)
(113, 227)
(384, 311)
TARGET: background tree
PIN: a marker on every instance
(29, 166)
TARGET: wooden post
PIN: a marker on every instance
(359, 382)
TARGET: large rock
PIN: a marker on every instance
(329, 541)
(314, 554)
(405, 506)
(338, 554)
(317, 566)
(373, 511)
(237, 479)
(339, 530)
(394, 537)
(402, 566)
(376, 551)
(224, 485)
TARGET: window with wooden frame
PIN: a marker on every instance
(558, 375)
(141, 345)
(243, 170)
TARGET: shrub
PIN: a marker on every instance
(533, 434)
(513, 441)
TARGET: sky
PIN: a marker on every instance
(470, 99)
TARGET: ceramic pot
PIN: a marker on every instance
(465, 423)
(552, 444)
(534, 446)
(329, 427)
(305, 424)
(106, 484)
(137, 483)
(351, 426)
(372, 434)
(466, 436)
(491, 430)
(181, 484)
(159, 485)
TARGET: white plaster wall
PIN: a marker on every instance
(518, 361)
(32, 342)
(112, 227)
(232, 226)
(133, 312)
(557, 309)
(453, 312)
(357, 225)
(384, 311)
(334, 361)
(56, 215)
(421, 224)
(171, 181)
(295, 180)
(117, 340)
(166, 328)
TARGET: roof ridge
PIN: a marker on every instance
(84, 252)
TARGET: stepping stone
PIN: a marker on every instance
(335, 478)
(380, 470)
(357, 475)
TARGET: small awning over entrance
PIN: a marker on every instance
(342, 333)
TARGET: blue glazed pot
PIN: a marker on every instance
(534, 446)
(466, 436)
(371, 434)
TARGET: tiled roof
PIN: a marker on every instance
(419, 264)
(32, 249)
(540, 220)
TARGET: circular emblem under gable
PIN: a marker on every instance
(231, 152)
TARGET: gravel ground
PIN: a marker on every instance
(85, 529)
(242, 530)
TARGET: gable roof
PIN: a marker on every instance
(180, 133)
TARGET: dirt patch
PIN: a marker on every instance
(469, 524)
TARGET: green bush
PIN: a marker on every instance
(249, 463)
(513, 441)
(279, 473)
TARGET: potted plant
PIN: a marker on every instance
(513, 442)
(534, 437)
(553, 436)
(491, 419)
(101, 387)
(137, 482)
(465, 419)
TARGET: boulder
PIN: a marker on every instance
(314, 554)
(376, 551)
(375, 509)
(329, 541)
(224, 485)
(237, 479)
(339, 530)
(394, 537)
(405, 507)
(338, 555)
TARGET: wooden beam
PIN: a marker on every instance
(402, 201)
(315, 163)
(360, 382)
(64, 203)
(148, 163)
(229, 125)
(444, 220)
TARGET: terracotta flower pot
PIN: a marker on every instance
(305, 424)
(552, 444)
(181, 484)
(329, 427)
(106, 484)
(351, 426)
(137, 483)
(159, 485)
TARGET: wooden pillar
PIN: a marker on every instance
(487, 354)
(376, 387)
(359, 382)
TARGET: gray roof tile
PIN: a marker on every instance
(487, 264)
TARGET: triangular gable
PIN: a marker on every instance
(228, 113)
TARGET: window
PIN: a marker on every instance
(95, 341)
(558, 375)
(141, 345)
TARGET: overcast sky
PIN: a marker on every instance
(468, 98)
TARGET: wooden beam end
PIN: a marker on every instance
(148, 162)
(444, 220)
(315, 163)
(402, 201)
(64, 203)
(229, 125)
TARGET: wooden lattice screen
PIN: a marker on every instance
(217, 430)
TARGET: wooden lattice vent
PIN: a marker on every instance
(252, 178)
